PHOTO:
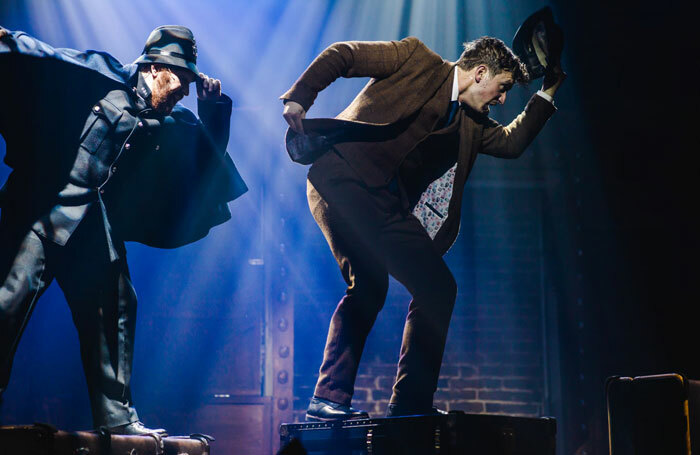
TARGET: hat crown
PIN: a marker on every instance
(172, 38)
(172, 45)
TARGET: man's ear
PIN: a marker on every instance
(480, 73)
(154, 70)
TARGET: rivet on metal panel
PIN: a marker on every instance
(283, 325)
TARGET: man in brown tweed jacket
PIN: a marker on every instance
(387, 192)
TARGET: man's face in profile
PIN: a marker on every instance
(490, 90)
(170, 85)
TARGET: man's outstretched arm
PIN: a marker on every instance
(376, 59)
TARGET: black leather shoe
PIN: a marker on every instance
(137, 429)
(321, 410)
(396, 410)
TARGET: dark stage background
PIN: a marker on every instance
(575, 262)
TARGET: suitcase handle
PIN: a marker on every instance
(203, 437)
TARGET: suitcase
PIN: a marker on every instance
(43, 439)
(194, 444)
(454, 433)
(651, 414)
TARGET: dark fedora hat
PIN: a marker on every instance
(539, 42)
(172, 45)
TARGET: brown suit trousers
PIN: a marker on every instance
(371, 236)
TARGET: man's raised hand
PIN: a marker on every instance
(208, 88)
(553, 78)
(293, 113)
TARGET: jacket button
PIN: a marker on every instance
(157, 147)
(96, 108)
(102, 191)
(114, 169)
(127, 146)
(140, 124)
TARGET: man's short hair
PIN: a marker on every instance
(497, 57)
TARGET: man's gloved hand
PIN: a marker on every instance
(208, 89)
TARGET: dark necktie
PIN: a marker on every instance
(454, 105)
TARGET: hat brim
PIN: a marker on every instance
(168, 60)
(524, 49)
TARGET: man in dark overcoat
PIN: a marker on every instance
(102, 153)
(386, 188)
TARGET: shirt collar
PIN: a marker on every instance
(143, 90)
(455, 85)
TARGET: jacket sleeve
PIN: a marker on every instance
(216, 118)
(511, 141)
(377, 59)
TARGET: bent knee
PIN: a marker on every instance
(369, 290)
(440, 287)
(446, 288)
(450, 288)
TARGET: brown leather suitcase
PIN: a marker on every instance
(43, 439)
(194, 444)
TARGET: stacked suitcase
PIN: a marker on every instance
(454, 433)
(656, 414)
(41, 439)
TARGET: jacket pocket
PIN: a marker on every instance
(101, 120)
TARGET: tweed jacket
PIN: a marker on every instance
(398, 109)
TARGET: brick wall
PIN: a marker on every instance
(494, 357)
